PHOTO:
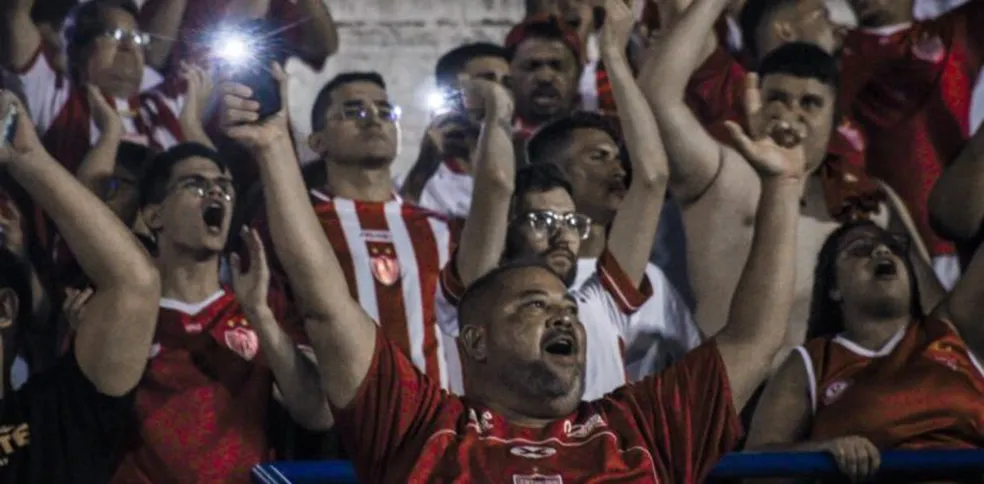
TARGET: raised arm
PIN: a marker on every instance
(964, 307)
(100, 162)
(22, 38)
(113, 340)
(483, 239)
(162, 20)
(761, 304)
(342, 334)
(696, 158)
(318, 37)
(956, 204)
(634, 227)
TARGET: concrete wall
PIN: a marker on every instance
(401, 39)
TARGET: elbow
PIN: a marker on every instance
(949, 215)
(652, 179)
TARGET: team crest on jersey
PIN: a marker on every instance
(944, 353)
(243, 341)
(581, 431)
(537, 479)
(533, 451)
(385, 268)
(930, 48)
(834, 391)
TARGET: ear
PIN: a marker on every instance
(473, 342)
(316, 141)
(783, 30)
(9, 306)
(152, 217)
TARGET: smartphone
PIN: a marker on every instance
(252, 68)
(9, 126)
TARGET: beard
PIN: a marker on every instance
(536, 380)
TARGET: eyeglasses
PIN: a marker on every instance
(119, 35)
(201, 186)
(546, 223)
(864, 246)
(357, 111)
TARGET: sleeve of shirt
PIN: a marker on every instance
(392, 416)
(686, 413)
(45, 90)
(618, 284)
(75, 427)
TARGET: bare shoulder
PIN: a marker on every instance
(734, 192)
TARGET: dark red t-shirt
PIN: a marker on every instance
(671, 427)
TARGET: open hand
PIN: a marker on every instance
(774, 147)
(106, 117)
(25, 143)
(253, 284)
(239, 113)
(619, 24)
(200, 88)
(856, 456)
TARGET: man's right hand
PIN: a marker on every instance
(487, 100)
(856, 456)
(239, 115)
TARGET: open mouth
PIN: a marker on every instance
(213, 214)
(886, 269)
(560, 344)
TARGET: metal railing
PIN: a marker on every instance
(895, 465)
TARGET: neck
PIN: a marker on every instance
(185, 279)
(512, 415)
(872, 331)
(359, 183)
(595, 243)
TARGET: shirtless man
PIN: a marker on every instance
(717, 191)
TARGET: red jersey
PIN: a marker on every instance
(672, 427)
(201, 408)
(910, 87)
(392, 254)
(716, 94)
(923, 389)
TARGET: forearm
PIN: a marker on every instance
(483, 238)
(634, 227)
(100, 163)
(22, 38)
(162, 20)
(319, 31)
(194, 130)
(295, 374)
(956, 204)
(103, 246)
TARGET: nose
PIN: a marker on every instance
(561, 319)
(881, 250)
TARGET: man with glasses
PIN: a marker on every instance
(105, 50)
(203, 404)
(391, 251)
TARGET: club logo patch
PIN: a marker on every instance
(533, 451)
(243, 341)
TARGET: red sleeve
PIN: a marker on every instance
(392, 416)
(716, 89)
(628, 296)
(686, 413)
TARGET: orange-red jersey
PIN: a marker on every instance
(923, 389)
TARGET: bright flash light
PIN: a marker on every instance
(437, 103)
(233, 48)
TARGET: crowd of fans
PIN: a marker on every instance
(637, 236)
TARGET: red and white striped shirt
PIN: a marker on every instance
(60, 110)
(392, 254)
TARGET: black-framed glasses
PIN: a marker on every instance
(358, 111)
(546, 223)
(201, 186)
(899, 244)
(138, 38)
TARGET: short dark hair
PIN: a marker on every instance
(560, 131)
(52, 12)
(542, 26)
(752, 17)
(479, 288)
(452, 63)
(85, 22)
(154, 184)
(323, 101)
(539, 177)
(801, 59)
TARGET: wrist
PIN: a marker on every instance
(257, 313)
